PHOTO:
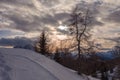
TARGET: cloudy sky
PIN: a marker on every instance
(26, 18)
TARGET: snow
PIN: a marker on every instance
(21, 64)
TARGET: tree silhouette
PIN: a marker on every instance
(79, 23)
(57, 56)
(42, 45)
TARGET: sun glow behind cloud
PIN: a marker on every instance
(61, 27)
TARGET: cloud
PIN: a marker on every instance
(62, 16)
(27, 18)
(49, 3)
(30, 16)
(117, 39)
(42, 13)
(113, 17)
(17, 2)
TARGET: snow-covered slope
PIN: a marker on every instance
(20, 64)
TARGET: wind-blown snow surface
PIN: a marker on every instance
(20, 64)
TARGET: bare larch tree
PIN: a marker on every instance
(79, 27)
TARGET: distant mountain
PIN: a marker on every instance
(106, 55)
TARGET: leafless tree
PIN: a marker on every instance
(79, 27)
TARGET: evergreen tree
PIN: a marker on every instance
(42, 45)
(57, 56)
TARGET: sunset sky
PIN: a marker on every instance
(26, 18)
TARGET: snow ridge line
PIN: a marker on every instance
(28, 58)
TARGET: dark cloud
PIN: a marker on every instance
(62, 16)
(49, 3)
(95, 22)
(92, 21)
(40, 22)
(93, 7)
(113, 17)
(93, 12)
(48, 20)
(28, 24)
(18, 2)
(25, 25)
(117, 39)
(45, 18)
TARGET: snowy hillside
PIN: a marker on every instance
(20, 64)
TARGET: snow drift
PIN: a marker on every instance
(21, 64)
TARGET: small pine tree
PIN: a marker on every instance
(57, 56)
(104, 75)
(42, 45)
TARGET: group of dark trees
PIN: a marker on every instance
(86, 60)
